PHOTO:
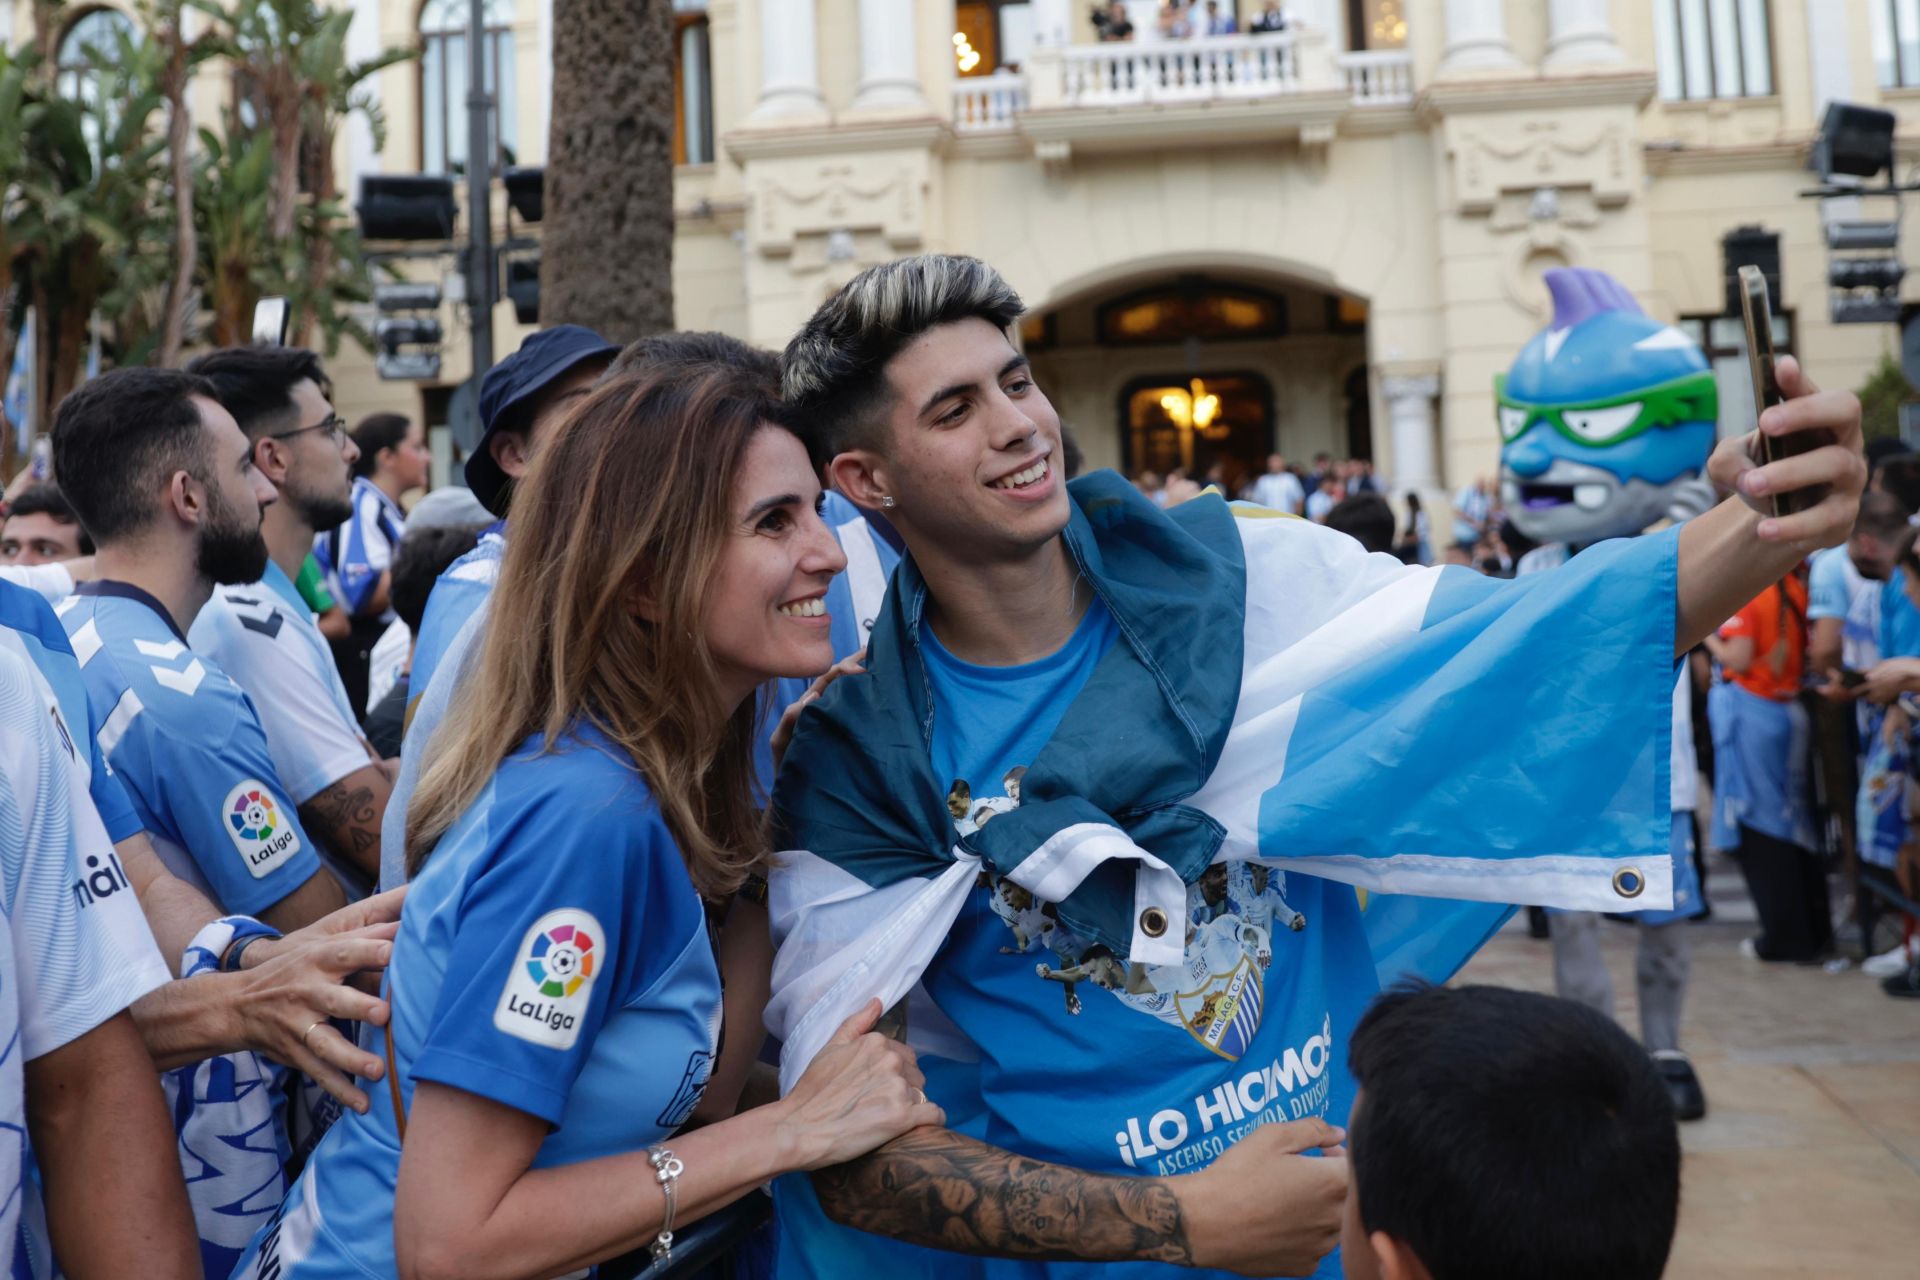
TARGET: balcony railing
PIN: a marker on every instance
(1217, 68)
(1181, 71)
(1379, 78)
(987, 104)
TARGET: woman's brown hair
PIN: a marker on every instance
(630, 500)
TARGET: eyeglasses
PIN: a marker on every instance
(336, 426)
(1693, 397)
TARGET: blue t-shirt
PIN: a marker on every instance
(189, 747)
(1830, 583)
(1899, 619)
(1002, 716)
(553, 958)
(1084, 1059)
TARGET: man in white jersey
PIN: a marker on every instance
(263, 634)
(73, 1072)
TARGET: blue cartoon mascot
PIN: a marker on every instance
(1606, 420)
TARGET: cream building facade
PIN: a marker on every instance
(1328, 239)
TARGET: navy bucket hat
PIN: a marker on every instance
(509, 390)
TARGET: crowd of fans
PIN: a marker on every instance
(1192, 19)
(222, 634)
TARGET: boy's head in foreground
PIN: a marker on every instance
(1505, 1135)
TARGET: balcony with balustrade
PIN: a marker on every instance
(1220, 89)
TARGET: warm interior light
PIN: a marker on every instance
(1206, 405)
(965, 56)
(1193, 410)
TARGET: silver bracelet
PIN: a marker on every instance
(666, 1171)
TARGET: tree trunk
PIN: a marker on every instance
(318, 251)
(185, 248)
(606, 250)
(234, 297)
(67, 334)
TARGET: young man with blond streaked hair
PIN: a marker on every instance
(1222, 724)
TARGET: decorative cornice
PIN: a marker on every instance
(1536, 93)
(1149, 126)
(1663, 158)
(923, 132)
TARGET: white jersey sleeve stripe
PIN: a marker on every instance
(121, 719)
(86, 641)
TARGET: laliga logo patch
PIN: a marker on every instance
(552, 979)
(263, 837)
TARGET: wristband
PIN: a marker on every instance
(224, 940)
(666, 1171)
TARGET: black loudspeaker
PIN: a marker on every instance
(1853, 140)
(523, 288)
(406, 207)
(1751, 247)
(526, 191)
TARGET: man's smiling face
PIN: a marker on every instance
(973, 457)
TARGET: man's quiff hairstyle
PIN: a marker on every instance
(255, 384)
(833, 376)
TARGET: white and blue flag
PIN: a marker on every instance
(1279, 698)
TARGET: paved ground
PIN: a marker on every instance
(1808, 1162)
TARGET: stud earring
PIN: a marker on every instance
(886, 501)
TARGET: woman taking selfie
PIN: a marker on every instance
(556, 1004)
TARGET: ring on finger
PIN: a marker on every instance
(919, 1095)
(309, 1031)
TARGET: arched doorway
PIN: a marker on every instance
(1203, 366)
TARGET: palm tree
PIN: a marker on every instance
(79, 217)
(606, 249)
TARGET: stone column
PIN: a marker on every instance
(1579, 36)
(1477, 39)
(1410, 417)
(889, 80)
(789, 64)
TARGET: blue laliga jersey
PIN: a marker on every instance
(1083, 1059)
(553, 958)
(28, 626)
(457, 595)
(188, 745)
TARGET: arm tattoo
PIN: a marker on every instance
(936, 1188)
(346, 818)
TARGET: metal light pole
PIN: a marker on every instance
(480, 273)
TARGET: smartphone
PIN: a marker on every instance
(1756, 312)
(1851, 679)
(270, 317)
(42, 464)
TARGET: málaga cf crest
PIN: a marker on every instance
(1224, 1014)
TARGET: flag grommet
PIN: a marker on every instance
(1153, 922)
(1628, 882)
